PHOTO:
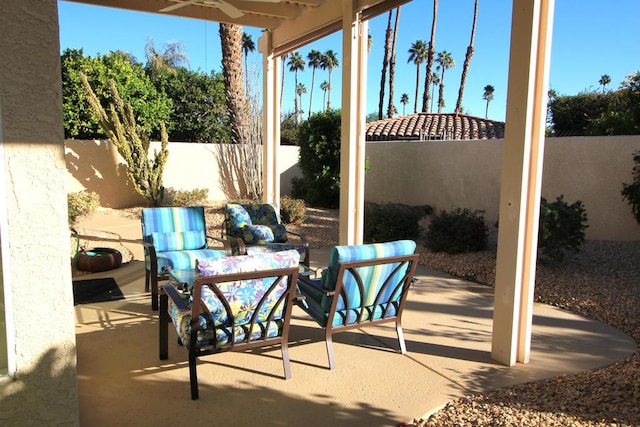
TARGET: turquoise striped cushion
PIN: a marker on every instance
(179, 240)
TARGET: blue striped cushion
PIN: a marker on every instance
(179, 240)
(168, 219)
(372, 276)
(181, 260)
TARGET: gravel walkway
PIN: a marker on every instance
(601, 282)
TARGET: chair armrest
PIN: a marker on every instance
(153, 258)
(315, 284)
(225, 243)
(174, 295)
(304, 243)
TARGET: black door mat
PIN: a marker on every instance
(96, 290)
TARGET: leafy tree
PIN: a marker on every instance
(467, 59)
(314, 60)
(131, 141)
(150, 107)
(248, 46)
(488, 96)
(329, 62)
(289, 130)
(404, 100)
(445, 61)
(296, 63)
(417, 55)
(324, 86)
(319, 159)
(622, 116)
(604, 81)
(391, 109)
(631, 192)
(199, 109)
(430, 58)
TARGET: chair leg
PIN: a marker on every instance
(154, 291)
(285, 360)
(147, 279)
(329, 342)
(193, 376)
(403, 347)
(163, 323)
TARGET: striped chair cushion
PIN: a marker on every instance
(179, 240)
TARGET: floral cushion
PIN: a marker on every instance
(237, 218)
(243, 296)
(257, 234)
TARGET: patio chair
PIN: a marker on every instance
(256, 228)
(174, 237)
(238, 303)
(363, 285)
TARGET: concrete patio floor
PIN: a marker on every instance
(447, 325)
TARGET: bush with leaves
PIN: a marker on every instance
(81, 203)
(319, 160)
(292, 211)
(384, 222)
(460, 230)
(631, 192)
(194, 197)
(561, 228)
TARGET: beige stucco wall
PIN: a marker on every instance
(97, 166)
(466, 174)
(36, 277)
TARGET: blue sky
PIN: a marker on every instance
(590, 38)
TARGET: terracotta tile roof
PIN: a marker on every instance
(433, 126)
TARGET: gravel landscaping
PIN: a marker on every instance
(601, 282)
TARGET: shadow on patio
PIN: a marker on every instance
(447, 325)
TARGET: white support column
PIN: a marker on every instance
(352, 147)
(521, 179)
(270, 120)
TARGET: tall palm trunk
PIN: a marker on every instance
(231, 39)
(467, 59)
(385, 64)
(296, 106)
(430, 58)
(392, 65)
(313, 78)
(283, 72)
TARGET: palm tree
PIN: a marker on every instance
(247, 46)
(329, 61)
(385, 64)
(324, 87)
(296, 63)
(231, 40)
(430, 57)
(404, 100)
(391, 109)
(171, 57)
(417, 55)
(284, 60)
(301, 89)
(435, 81)
(604, 80)
(467, 59)
(488, 96)
(369, 42)
(314, 60)
(445, 61)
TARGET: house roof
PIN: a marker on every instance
(434, 126)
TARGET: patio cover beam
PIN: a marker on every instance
(521, 179)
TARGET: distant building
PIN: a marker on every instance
(433, 126)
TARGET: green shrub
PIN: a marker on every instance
(292, 211)
(194, 197)
(319, 139)
(81, 203)
(384, 222)
(298, 188)
(561, 228)
(460, 230)
(631, 192)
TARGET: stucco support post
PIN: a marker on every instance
(270, 119)
(352, 146)
(521, 179)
